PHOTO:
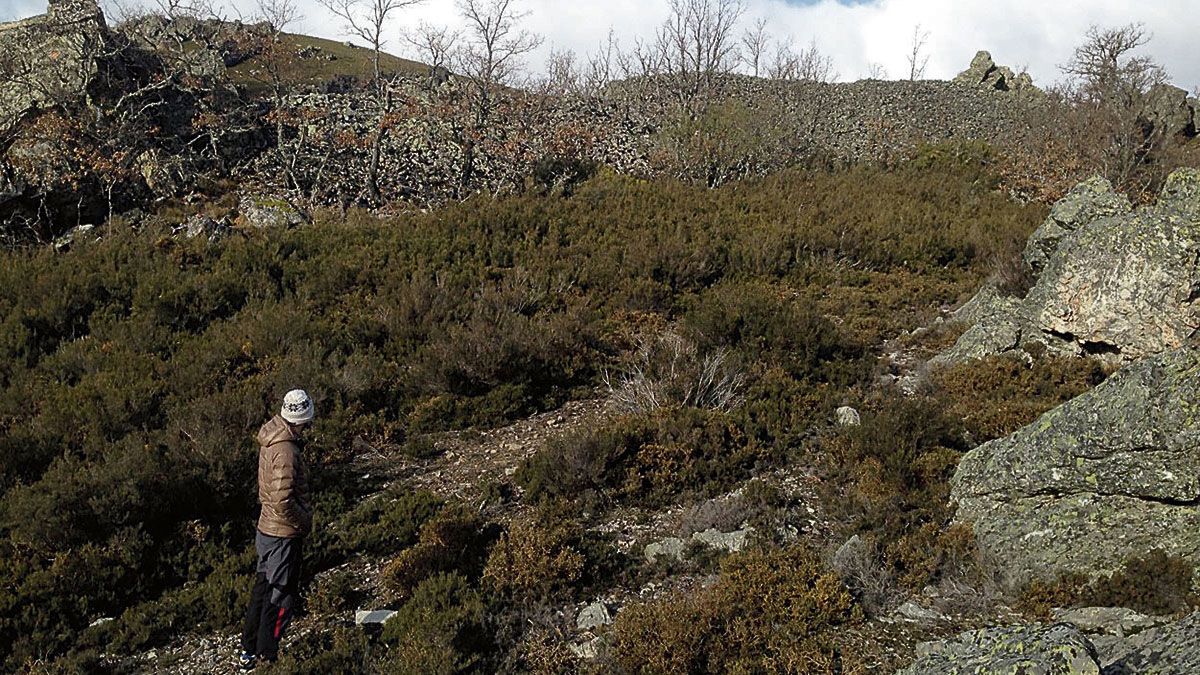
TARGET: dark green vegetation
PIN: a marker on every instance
(134, 371)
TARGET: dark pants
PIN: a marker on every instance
(273, 599)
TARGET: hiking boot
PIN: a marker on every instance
(247, 661)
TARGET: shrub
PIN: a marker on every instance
(439, 631)
(667, 371)
(997, 395)
(645, 459)
(769, 611)
(452, 541)
(536, 559)
(332, 594)
(764, 325)
(384, 524)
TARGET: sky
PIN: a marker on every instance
(1035, 35)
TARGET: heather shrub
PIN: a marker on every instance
(769, 611)
(766, 326)
(896, 468)
(994, 397)
(537, 558)
(439, 630)
(643, 459)
(454, 540)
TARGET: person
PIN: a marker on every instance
(284, 520)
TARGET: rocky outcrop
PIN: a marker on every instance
(1110, 280)
(1063, 649)
(985, 74)
(49, 58)
(1059, 649)
(1089, 201)
(1170, 650)
(1110, 475)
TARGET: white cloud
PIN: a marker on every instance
(1038, 34)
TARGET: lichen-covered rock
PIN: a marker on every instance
(1118, 621)
(1089, 201)
(268, 212)
(985, 74)
(1059, 649)
(49, 58)
(1111, 474)
(1110, 280)
(1126, 284)
(1170, 650)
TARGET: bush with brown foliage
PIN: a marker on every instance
(769, 611)
(995, 396)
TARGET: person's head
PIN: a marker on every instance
(297, 408)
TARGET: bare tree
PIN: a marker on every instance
(876, 71)
(785, 64)
(275, 56)
(601, 65)
(917, 58)
(754, 46)
(562, 75)
(494, 47)
(491, 54)
(1112, 90)
(815, 66)
(697, 42)
(435, 45)
(367, 20)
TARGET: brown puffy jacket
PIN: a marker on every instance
(282, 482)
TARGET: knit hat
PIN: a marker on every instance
(297, 407)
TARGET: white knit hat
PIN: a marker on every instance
(297, 407)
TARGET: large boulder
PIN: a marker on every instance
(1170, 650)
(49, 58)
(1089, 201)
(1059, 649)
(1109, 279)
(985, 74)
(1110, 475)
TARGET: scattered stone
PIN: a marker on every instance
(727, 541)
(201, 225)
(671, 547)
(371, 618)
(847, 560)
(1117, 621)
(1059, 649)
(65, 241)
(848, 417)
(268, 212)
(914, 613)
(587, 650)
(593, 616)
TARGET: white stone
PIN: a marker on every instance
(376, 617)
